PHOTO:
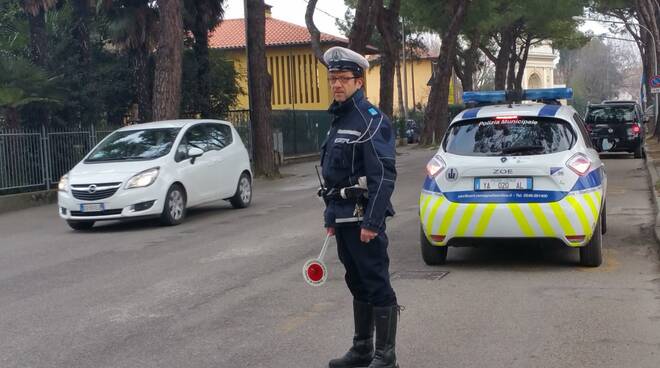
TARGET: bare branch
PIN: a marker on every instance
(313, 31)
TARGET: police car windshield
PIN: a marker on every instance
(512, 136)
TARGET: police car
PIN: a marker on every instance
(514, 170)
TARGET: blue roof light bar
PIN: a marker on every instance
(494, 97)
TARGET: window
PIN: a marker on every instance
(608, 114)
(145, 144)
(219, 136)
(519, 136)
(194, 137)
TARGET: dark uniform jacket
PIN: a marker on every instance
(360, 143)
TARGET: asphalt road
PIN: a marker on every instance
(225, 289)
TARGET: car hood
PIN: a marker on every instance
(108, 172)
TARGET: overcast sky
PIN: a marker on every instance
(294, 11)
(326, 11)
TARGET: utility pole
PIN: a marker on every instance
(405, 72)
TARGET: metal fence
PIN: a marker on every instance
(36, 159)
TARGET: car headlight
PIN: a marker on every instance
(63, 185)
(143, 179)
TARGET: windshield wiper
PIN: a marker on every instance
(521, 149)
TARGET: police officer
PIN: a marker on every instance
(359, 146)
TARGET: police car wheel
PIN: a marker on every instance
(591, 254)
(432, 255)
(80, 225)
(243, 195)
(174, 209)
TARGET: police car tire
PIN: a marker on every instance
(639, 151)
(237, 200)
(591, 255)
(432, 255)
(80, 225)
(166, 217)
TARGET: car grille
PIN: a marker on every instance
(101, 191)
(97, 213)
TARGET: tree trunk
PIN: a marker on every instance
(81, 29)
(511, 69)
(313, 31)
(436, 116)
(465, 71)
(142, 77)
(388, 27)
(399, 88)
(169, 55)
(259, 85)
(201, 50)
(363, 24)
(38, 37)
(12, 117)
(502, 61)
(522, 64)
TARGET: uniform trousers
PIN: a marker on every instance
(367, 266)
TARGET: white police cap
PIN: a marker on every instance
(340, 58)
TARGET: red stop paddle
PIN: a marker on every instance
(314, 271)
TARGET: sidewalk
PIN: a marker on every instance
(653, 166)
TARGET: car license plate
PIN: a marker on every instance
(503, 184)
(92, 207)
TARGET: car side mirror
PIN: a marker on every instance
(193, 153)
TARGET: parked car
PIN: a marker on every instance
(616, 127)
(157, 169)
(514, 171)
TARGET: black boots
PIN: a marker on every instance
(362, 351)
(386, 319)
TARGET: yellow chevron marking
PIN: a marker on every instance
(423, 204)
(431, 218)
(565, 224)
(447, 219)
(465, 220)
(541, 219)
(580, 214)
(522, 221)
(484, 220)
(592, 205)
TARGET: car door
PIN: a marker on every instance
(222, 152)
(196, 174)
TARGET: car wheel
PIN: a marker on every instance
(243, 195)
(432, 255)
(174, 210)
(80, 225)
(591, 255)
(639, 151)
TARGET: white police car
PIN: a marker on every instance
(514, 171)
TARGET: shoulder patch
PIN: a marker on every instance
(373, 111)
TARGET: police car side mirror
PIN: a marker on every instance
(193, 153)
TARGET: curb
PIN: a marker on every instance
(653, 178)
(15, 202)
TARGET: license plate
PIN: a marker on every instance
(92, 207)
(503, 184)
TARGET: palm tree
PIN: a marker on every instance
(133, 27)
(201, 17)
(21, 83)
(36, 13)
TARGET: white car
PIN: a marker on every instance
(157, 169)
(514, 171)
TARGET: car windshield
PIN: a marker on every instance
(610, 114)
(512, 136)
(146, 144)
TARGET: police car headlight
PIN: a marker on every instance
(435, 166)
(143, 179)
(579, 163)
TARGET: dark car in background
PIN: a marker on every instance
(616, 126)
